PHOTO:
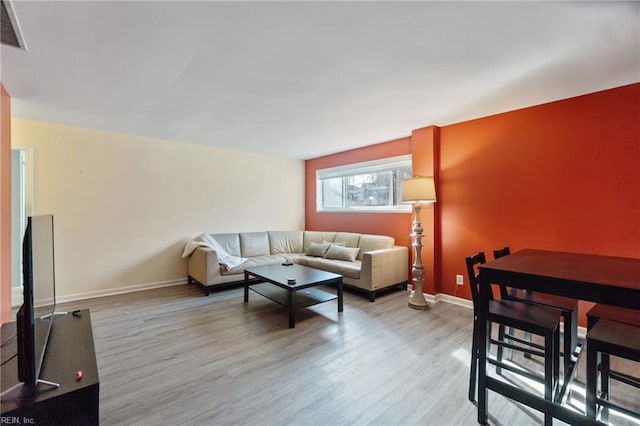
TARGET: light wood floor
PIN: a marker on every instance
(174, 357)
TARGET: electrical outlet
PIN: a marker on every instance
(459, 280)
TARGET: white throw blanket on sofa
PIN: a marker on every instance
(205, 240)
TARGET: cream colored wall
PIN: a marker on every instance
(124, 206)
(5, 206)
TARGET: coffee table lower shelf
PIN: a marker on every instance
(304, 298)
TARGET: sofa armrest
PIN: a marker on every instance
(385, 267)
(203, 265)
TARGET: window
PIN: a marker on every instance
(373, 186)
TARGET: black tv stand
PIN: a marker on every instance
(74, 402)
(6, 392)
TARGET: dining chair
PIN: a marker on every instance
(603, 364)
(538, 320)
(604, 339)
(614, 313)
(566, 307)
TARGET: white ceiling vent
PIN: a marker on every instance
(10, 29)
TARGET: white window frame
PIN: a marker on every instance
(375, 166)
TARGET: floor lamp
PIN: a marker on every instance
(418, 190)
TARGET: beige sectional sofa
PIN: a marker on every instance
(366, 262)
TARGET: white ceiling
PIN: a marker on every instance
(305, 79)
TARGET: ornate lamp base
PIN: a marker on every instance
(417, 300)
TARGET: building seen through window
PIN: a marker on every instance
(370, 186)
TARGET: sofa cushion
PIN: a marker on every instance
(316, 237)
(229, 242)
(374, 242)
(342, 267)
(285, 241)
(350, 239)
(341, 253)
(254, 244)
(317, 249)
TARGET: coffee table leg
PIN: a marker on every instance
(246, 286)
(292, 308)
(340, 306)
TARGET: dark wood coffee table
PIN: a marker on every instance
(274, 284)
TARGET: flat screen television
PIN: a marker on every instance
(35, 316)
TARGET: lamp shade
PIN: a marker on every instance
(418, 190)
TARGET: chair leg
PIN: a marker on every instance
(573, 328)
(474, 364)
(592, 373)
(556, 363)
(605, 370)
(550, 371)
(500, 349)
(549, 366)
(570, 339)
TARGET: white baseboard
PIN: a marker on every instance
(447, 298)
(119, 290)
(582, 332)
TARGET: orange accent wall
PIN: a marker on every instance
(5, 210)
(560, 176)
(397, 225)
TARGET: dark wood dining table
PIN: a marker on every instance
(596, 278)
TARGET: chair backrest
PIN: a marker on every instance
(501, 252)
(497, 254)
(474, 283)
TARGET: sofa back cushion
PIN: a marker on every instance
(374, 242)
(254, 244)
(317, 237)
(285, 242)
(350, 239)
(229, 242)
